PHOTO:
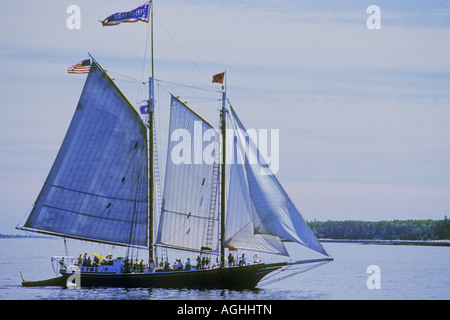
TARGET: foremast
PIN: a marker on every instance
(151, 110)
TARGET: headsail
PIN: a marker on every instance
(240, 224)
(273, 213)
(97, 187)
(186, 209)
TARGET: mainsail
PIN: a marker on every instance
(265, 216)
(188, 220)
(97, 187)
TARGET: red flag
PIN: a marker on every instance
(218, 78)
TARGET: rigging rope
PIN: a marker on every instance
(184, 52)
(188, 86)
(271, 278)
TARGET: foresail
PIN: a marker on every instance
(240, 227)
(97, 187)
(188, 220)
(273, 212)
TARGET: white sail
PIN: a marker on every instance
(241, 216)
(273, 212)
(97, 187)
(186, 219)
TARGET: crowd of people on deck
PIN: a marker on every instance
(86, 261)
(130, 265)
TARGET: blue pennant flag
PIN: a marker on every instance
(143, 110)
(139, 14)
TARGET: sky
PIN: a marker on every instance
(363, 114)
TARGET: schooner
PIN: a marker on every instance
(101, 189)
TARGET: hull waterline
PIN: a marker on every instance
(246, 277)
(229, 277)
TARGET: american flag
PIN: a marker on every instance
(81, 67)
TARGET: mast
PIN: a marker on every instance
(223, 128)
(151, 104)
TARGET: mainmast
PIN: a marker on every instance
(223, 129)
(151, 109)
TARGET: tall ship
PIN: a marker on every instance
(219, 198)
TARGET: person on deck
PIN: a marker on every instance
(230, 260)
(243, 260)
(152, 265)
(96, 261)
(187, 264)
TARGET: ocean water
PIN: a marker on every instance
(401, 273)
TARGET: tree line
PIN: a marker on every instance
(383, 230)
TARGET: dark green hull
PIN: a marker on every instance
(246, 277)
(229, 277)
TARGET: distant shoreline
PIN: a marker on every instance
(445, 243)
(8, 236)
(395, 232)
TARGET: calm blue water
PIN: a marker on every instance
(406, 272)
